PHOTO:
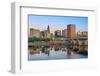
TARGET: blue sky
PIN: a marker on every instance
(58, 22)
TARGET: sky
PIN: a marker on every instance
(57, 22)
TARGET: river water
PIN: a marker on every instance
(52, 53)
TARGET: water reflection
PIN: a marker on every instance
(53, 52)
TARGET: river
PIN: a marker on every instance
(52, 53)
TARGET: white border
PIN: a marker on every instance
(19, 37)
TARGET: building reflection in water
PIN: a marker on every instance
(53, 52)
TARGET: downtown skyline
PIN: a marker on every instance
(57, 37)
(57, 22)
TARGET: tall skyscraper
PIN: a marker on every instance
(48, 29)
(71, 30)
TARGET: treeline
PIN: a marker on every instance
(38, 39)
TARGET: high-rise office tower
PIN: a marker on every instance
(71, 30)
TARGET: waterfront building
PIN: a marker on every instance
(82, 34)
(45, 33)
(64, 33)
(79, 33)
(34, 33)
(42, 34)
(71, 30)
(58, 33)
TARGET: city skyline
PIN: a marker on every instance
(57, 22)
(69, 32)
(57, 37)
